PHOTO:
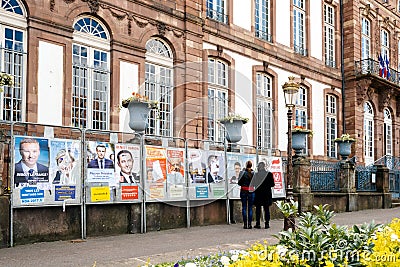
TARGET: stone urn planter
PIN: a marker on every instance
(299, 139)
(233, 126)
(138, 115)
(344, 143)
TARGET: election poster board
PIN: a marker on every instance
(46, 171)
(207, 174)
(235, 163)
(274, 165)
(155, 172)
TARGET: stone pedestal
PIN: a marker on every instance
(382, 185)
(347, 177)
(301, 183)
(352, 200)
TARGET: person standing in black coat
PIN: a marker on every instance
(263, 182)
(247, 194)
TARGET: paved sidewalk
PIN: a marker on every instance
(169, 245)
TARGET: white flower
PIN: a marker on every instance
(394, 237)
(190, 264)
(235, 257)
(281, 250)
(224, 260)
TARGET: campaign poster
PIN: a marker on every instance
(100, 162)
(100, 193)
(156, 164)
(65, 162)
(236, 163)
(175, 166)
(215, 171)
(197, 166)
(127, 163)
(31, 157)
(274, 165)
(129, 192)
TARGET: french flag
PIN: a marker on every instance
(381, 66)
(387, 70)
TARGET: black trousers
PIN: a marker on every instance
(266, 213)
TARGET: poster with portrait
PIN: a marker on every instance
(235, 163)
(215, 171)
(197, 166)
(175, 186)
(100, 162)
(65, 169)
(31, 162)
(156, 171)
(274, 165)
(127, 163)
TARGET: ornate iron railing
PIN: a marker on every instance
(393, 163)
(364, 178)
(370, 66)
(324, 176)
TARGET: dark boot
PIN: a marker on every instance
(244, 224)
(249, 226)
(266, 224)
(258, 226)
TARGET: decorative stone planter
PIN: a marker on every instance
(299, 141)
(233, 130)
(138, 115)
(344, 148)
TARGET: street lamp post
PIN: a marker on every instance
(290, 90)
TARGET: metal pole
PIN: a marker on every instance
(289, 192)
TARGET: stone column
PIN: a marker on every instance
(301, 183)
(347, 182)
(382, 185)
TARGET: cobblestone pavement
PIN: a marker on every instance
(168, 245)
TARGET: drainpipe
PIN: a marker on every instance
(342, 64)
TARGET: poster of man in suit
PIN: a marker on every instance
(100, 168)
(32, 161)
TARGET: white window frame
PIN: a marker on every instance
(387, 131)
(299, 27)
(13, 98)
(331, 125)
(217, 98)
(159, 87)
(98, 90)
(368, 134)
(262, 19)
(216, 9)
(385, 44)
(329, 35)
(264, 110)
(365, 38)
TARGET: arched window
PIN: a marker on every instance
(217, 98)
(368, 133)
(331, 124)
(13, 44)
(387, 131)
(159, 86)
(264, 110)
(91, 75)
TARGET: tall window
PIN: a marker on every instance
(91, 75)
(368, 133)
(331, 124)
(264, 110)
(329, 35)
(159, 86)
(262, 19)
(385, 44)
(299, 15)
(216, 10)
(217, 98)
(365, 38)
(13, 58)
(301, 110)
(387, 131)
(398, 55)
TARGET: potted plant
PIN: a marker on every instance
(299, 134)
(139, 107)
(6, 79)
(233, 124)
(344, 142)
